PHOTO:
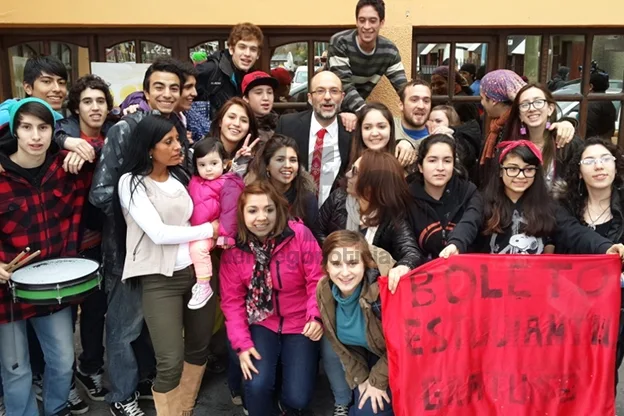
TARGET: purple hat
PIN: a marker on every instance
(501, 85)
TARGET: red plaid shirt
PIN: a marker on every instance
(43, 217)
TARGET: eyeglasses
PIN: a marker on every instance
(514, 171)
(320, 92)
(537, 104)
(590, 161)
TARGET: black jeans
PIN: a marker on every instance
(92, 313)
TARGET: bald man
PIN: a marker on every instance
(323, 142)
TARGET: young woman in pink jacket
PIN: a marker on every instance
(268, 286)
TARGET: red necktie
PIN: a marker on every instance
(317, 158)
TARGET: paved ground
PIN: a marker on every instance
(214, 398)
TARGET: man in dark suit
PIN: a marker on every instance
(323, 142)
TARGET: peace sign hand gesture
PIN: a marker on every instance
(246, 148)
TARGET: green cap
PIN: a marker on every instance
(18, 104)
(199, 56)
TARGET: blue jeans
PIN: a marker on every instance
(367, 409)
(124, 325)
(298, 357)
(56, 336)
(234, 372)
(335, 374)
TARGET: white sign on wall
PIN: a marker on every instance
(123, 78)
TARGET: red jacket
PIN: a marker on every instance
(43, 216)
(295, 271)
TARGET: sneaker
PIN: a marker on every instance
(144, 389)
(341, 410)
(202, 292)
(92, 384)
(129, 407)
(2, 408)
(77, 406)
(37, 383)
(237, 399)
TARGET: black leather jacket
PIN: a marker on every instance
(396, 237)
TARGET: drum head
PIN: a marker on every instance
(56, 271)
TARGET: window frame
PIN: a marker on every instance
(498, 55)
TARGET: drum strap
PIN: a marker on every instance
(16, 364)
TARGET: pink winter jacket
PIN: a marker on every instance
(216, 199)
(295, 271)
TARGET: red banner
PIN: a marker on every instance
(504, 335)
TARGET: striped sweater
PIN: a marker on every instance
(360, 72)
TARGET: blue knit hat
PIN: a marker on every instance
(18, 104)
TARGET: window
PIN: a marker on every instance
(121, 52)
(523, 56)
(151, 50)
(554, 57)
(74, 57)
(18, 55)
(437, 58)
(302, 60)
(209, 47)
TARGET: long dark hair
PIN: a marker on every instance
(423, 150)
(537, 204)
(301, 184)
(512, 129)
(357, 145)
(575, 195)
(138, 163)
(381, 181)
(215, 127)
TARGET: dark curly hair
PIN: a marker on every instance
(575, 195)
(88, 81)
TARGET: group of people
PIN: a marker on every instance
(201, 197)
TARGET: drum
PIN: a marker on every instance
(56, 281)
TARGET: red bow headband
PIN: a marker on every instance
(510, 145)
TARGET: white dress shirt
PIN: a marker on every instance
(330, 161)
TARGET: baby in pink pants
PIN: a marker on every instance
(215, 196)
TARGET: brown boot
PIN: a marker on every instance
(189, 386)
(167, 404)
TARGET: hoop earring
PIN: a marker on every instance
(268, 174)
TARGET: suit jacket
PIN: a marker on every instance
(297, 126)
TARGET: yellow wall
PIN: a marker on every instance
(401, 16)
(384, 92)
(308, 12)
